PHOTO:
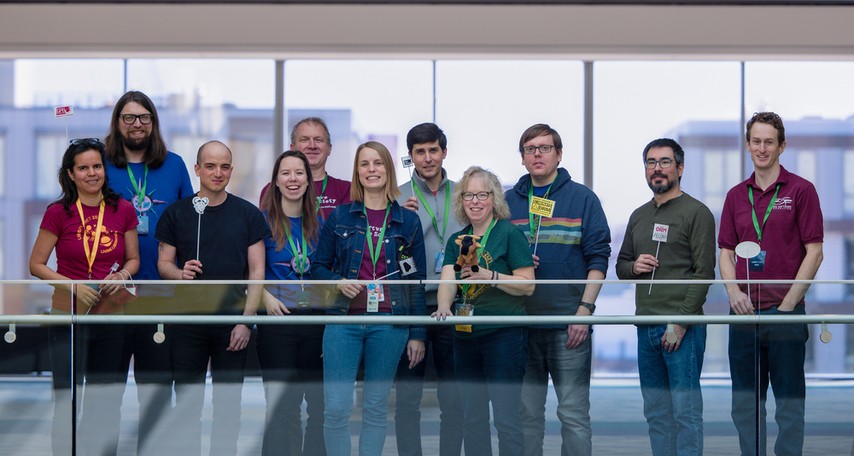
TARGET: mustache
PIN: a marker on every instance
(661, 175)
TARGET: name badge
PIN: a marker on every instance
(464, 310)
(375, 296)
(142, 226)
(438, 261)
(757, 263)
(303, 300)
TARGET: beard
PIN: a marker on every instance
(141, 144)
(660, 188)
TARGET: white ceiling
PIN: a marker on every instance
(427, 31)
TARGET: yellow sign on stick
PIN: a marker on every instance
(542, 206)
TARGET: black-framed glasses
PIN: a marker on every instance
(88, 142)
(129, 119)
(481, 196)
(664, 162)
(544, 149)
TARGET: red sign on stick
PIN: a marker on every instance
(63, 111)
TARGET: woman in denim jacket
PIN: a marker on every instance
(395, 250)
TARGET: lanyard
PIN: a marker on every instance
(465, 287)
(91, 253)
(531, 224)
(139, 189)
(767, 211)
(430, 211)
(298, 251)
(375, 253)
(322, 190)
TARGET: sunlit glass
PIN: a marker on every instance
(129, 119)
(481, 196)
(544, 149)
(664, 162)
(88, 142)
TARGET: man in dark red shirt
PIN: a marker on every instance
(780, 211)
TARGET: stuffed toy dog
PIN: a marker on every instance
(468, 252)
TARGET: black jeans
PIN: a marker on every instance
(292, 369)
(192, 347)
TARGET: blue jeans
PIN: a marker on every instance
(490, 367)
(670, 384)
(777, 351)
(570, 372)
(344, 346)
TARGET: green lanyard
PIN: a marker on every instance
(767, 211)
(430, 211)
(531, 224)
(465, 287)
(139, 189)
(375, 253)
(300, 252)
(322, 190)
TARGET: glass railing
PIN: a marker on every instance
(194, 383)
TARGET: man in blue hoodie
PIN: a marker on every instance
(571, 244)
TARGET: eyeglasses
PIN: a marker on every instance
(88, 142)
(664, 162)
(129, 119)
(481, 196)
(544, 149)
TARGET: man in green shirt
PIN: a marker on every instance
(672, 237)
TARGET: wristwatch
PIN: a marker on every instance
(589, 306)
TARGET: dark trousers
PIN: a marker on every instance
(410, 388)
(775, 353)
(193, 346)
(152, 368)
(292, 369)
(97, 351)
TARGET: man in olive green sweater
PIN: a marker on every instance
(672, 237)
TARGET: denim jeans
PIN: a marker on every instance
(192, 347)
(570, 373)
(410, 384)
(670, 385)
(344, 346)
(490, 367)
(778, 352)
(292, 369)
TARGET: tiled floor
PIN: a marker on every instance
(616, 413)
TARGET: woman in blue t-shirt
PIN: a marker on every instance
(290, 356)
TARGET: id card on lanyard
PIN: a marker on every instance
(375, 289)
(140, 200)
(757, 263)
(439, 258)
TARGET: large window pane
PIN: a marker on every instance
(484, 106)
(204, 99)
(360, 101)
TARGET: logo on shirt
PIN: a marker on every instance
(783, 204)
(109, 239)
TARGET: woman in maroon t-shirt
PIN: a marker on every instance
(93, 231)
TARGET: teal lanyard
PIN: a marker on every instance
(139, 189)
(300, 252)
(465, 287)
(430, 211)
(532, 224)
(756, 225)
(375, 253)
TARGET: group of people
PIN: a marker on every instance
(127, 210)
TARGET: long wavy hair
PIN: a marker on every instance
(280, 227)
(69, 188)
(155, 155)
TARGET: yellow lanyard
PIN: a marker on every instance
(91, 253)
